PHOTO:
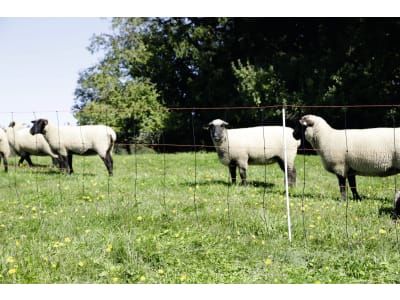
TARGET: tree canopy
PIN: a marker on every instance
(151, 64)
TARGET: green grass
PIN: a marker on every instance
(191, 226)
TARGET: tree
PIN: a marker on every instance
(154, 63)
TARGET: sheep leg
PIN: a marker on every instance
(5, 162)
(108, 161)
(232, 170)
(63, 162)
(242, 172)
(291, 172)
(70, 170)
(292, 177)
(353, 187)
(27, 158)
(342, 186)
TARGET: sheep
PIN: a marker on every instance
(397, 203)
(4, 149)
(24, 144)
(351, 152)
(260, 145)
(82, 140)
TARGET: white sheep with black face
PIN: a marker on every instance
(4, 149)
(351, 152)
(260, 145)
(24, 144)
(81, 140)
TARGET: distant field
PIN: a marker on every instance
(173, 218)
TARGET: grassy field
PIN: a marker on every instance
(173, 218)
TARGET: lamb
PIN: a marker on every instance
(24, 144)
(4, 149)
(351, 152)
(260, 145)
(82, 140)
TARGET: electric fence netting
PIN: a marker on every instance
(186, 181)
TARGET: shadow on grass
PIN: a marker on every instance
(389, 211)
(226, 183)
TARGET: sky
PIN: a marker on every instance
(40, 61)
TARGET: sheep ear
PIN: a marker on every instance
(305, 121)
(225, 123)
(46, 122)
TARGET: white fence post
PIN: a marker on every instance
(286, 174)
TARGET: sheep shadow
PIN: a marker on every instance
(388, 211)
(57, 171)
(229, 184)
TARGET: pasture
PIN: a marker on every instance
(173, 218)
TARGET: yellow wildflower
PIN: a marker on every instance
(140, 218)
(81, 264)
(109, 248)
(183, 278)
(268, 261)
(67, 240)
(142, 278)
(382, 231)
(161, 272)
(10, 259)
(12, 271)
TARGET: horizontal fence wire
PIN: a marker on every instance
(136, 174)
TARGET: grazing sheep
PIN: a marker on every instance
(260, 145)
(81, 140)
(351, 152)
(4, 148)
(24, 144)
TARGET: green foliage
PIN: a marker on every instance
(222, 62)
(191, 226)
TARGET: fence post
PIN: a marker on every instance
(286, 174)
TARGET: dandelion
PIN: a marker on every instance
(67, 240)
(58, 245)
(81, 264)
(142, 279)
(53, 265)
(312, 226)
(12, 271)
(317, 282)
(109, 248)
(382, 231)
(183, 278)
(115, 279)
(140, 218)
(34, 208)
(268, 261)
(17, 243)
(161, 272)
(10, 259)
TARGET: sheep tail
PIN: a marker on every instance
(113, 137)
